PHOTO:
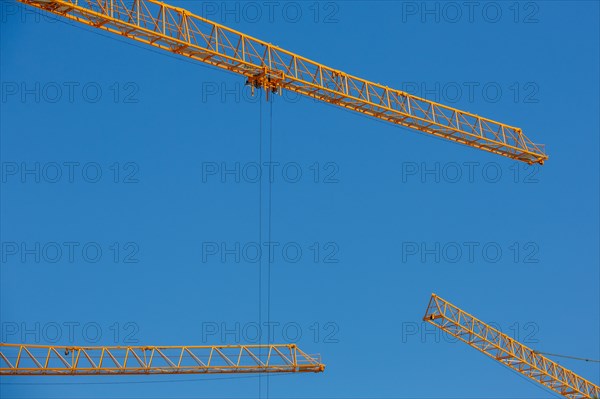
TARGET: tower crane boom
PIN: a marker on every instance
(24, 359)
(504, 349)
(267, 66)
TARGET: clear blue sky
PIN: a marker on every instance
(371, 205)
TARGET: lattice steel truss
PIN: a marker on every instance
(272, 68)
(31, 360)
(507, 351)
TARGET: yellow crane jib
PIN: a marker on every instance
(47, 360)
(272, 68)
(508, 351)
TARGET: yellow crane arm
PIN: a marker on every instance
(23, 359)
(272, 68)
(507, 351)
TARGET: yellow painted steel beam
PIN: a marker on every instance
(47, 360)
(507, 351)
(272, 68)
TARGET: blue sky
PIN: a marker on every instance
(129, 150)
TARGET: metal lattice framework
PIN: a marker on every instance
(17, 359)
(507, 351)
(272, 68)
